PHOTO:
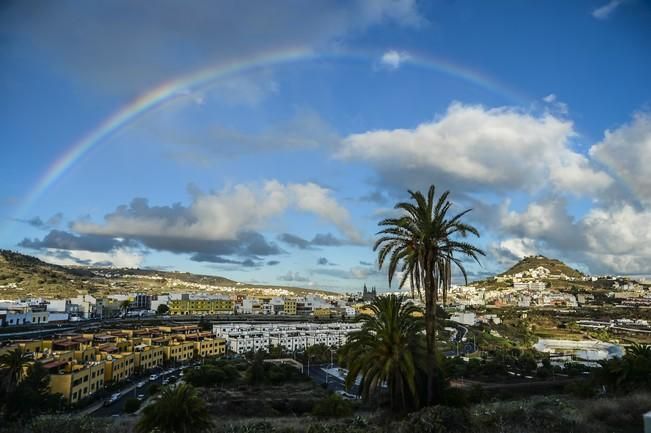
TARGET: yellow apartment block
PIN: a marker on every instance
(77, 381)
(290, 307)
(210, 347)
(148, 357)
(322, 312)
(86, 355)
(179, 351)
(119, 367)
(200, 306)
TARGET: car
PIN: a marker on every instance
(173, 379)
(140, 384)
(153, 377)
(181, 374)
(141, 397)
(166, 381)
(112, 399)
(346, 395)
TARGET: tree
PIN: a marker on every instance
(13, 366)
(162, 309)
(386, 350)
(177, 410)
(31, 396)
(124, 306)
(423, 244)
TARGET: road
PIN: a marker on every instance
(317, 373)
(129, 391)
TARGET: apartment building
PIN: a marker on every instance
(195, 305)
(75, 381)
(290, 306)
(148, 357)
(119, 366)
(242, 338)
(178, 351)
(209, 347)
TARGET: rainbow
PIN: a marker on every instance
(176, 88)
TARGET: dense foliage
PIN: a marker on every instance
(387, 352)
(177, 410)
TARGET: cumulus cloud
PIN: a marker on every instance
(616, 239)
(295, 241)
(61, 240)
(293, 277)
(81, 38)
(353, 273)
(392, 59)
(603, 12)
(220, 217)
(480, 149)
(626, 150)
(119, 258)
(213, 258)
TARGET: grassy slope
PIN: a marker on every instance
(36, 278)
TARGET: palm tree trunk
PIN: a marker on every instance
(430, 327)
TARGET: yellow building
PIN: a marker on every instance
(119, 367)
(86, 355)
(179, 351)
(148, 357)
(210, 347)
(322, 313)
(200, 306)
(75, 381)
(290, 306)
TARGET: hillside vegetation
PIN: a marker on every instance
(555, 266)
(23, 276)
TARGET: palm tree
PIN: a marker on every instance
(124, 306)
(13, 365)
(177, 410)
(423, 244)
(386, 351)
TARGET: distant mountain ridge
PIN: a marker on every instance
(22, 275)
(554, 266)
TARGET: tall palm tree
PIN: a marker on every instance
(424, 243)
(177, 410)
(13, 367)
(387, 350)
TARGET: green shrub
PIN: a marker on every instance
(435, 419)
(617, 412)
(332, 406)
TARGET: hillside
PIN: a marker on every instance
(23, 276)
(555, 267)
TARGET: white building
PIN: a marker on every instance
(244, 337)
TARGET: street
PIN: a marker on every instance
(131, 391)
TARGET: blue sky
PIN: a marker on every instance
(535, 114)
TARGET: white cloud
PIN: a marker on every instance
(609, 240)
(627, 152)
(476, 148)
(555, 104)
(143, 50)
(603, 12)
(119, 258)
(223, 215)
(393, 59)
